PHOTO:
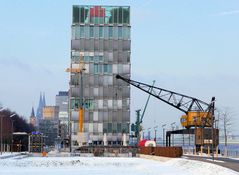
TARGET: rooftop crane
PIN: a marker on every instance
(197, 112)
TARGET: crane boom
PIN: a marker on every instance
(142, 116)
(182, 102)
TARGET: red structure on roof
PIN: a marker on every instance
(97, 11)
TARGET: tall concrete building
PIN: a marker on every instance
(62, 101)
(49, 124)
(50, 113)
(101, 44)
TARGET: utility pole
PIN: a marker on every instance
(163, 126)
(172, 126)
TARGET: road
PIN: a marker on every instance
(225, 162)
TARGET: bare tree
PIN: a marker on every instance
(226, 118)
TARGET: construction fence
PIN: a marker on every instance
(162, 151)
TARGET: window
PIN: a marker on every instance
(109, 127)
(73, 32)
(106, 31)
(76, 14)
(120, 32)
(82, 32)
(100, 68)
(114, 128)
(82, 14)
(96, 68)
(96, 34)
(110, 32)
(105, 127)
(77, 32)
(96, 91)
(105, 68)
(118, 127)
(115, 32)
(96, 59)
(126, 32)
(86, 30)
(89, 104)
(109, 68)
(126, 15)
(95, 116)
(75, 103)
(101, 58)
(91, 31)
(101, 32)
(86, 58)
(115, 15)
(91, 58)
(120, 17)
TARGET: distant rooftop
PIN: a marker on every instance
(63, 93)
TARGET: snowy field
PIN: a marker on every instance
(107, 166)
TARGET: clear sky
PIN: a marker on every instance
(191, 47)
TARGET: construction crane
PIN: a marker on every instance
(197, 112)
(79, 70)
(139, 118)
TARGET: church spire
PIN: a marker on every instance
(43, 100)
(32, 113)
(40, 107)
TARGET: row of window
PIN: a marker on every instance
(103, 68)
(106, 32)
(95, 68)
(101, 89)
(100, 104)
(100, 57)
(94, 45)
(101, 15)
(115, 127)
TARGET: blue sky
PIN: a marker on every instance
(187, 46)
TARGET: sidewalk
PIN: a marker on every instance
(222, 161)
(6, 155)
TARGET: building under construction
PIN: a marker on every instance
(100, 49)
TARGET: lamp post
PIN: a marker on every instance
(12, 129)
(155, 131)
(143, 133)
(172, 126)
(163, 126)
(149, 133)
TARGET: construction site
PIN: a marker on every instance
(139, 92)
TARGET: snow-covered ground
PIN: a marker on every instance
(108, 165)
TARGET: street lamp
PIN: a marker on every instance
(149, 133)
(155, 134)
(143, 133)
(172, 126)
(163, 126)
